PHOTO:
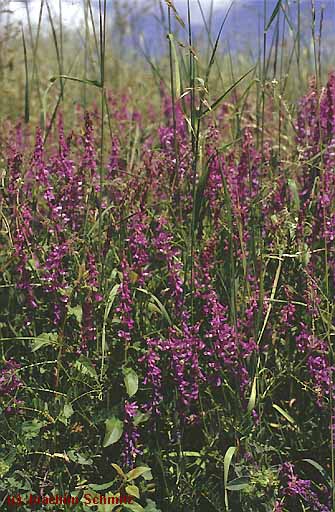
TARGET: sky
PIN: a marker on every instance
(241, 29)
(72, 10)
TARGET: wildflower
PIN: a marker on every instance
(295, 486)
(163, 245)
(138, 246)
(125, 306)
(153, 376)
(89, 160)
(54, 279)
(92, 296)
(318, 364)
(131, 435)
(9, 380)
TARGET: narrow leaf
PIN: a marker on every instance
(284, 413)
(320, 469)
(273, 15)
(231, 88)
(108, 308)
(59, 60)
(159, 304)
(226, 465)
(199, 195)
(252, 398)
(176, 65)
(171, 5)
(238, 484)
(295, 194)
(215, 47)
(26, 94)
(101, 487)
(119, 470)
(95, 83)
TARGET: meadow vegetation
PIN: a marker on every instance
(167, 264)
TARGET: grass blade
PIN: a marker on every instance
(226, 465)
(273, 15)
(170, 4)
(285, 414)
(108, 308)
(176, 66)
(26, 88)
(231, 88)
(54, 35)
(95, 83)
(215, 47)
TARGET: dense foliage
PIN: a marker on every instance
(167, 315)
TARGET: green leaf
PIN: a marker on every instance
(133, 490)
(77, 312)
(134, 507)
(199, 195)
(31, 429)
(110, 300)
(131, 381)
(119, 470)
(231, 88)
(153, 308)
(176, 65)
(66, 413)
(252, 398)
(320, 469)
(141, 417)
(109, 304)
(284, 413)
(33, 263)
(83, 461)
(295, 194)
(273, 15)
(137, 472)
(68, 410)
(43, 340)
(226, 465)
(238, 484)
(159, 304)
(148, 476)
(85, 367)
(185, 454)
(216, 44)
(171, 5)
(114, 429)
(26, 102)
(96, 83)
(101, 487)
(305, 256)
(151, 506)
(4, 468)
(78, 458)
